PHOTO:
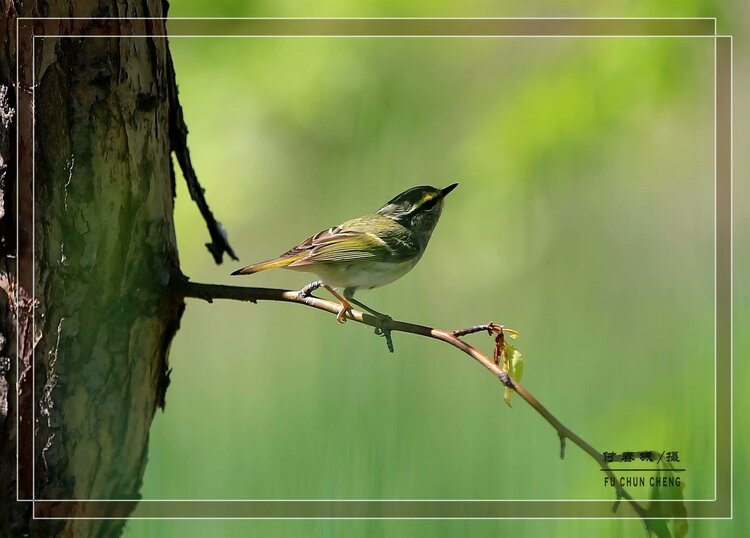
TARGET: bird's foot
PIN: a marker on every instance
(383, 325)
(383, 328)
(310, 288)
(346, 308)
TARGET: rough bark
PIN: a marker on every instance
(104, 257)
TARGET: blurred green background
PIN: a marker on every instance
(584, 220)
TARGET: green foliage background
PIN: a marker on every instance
(584, 220)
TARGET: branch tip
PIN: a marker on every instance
(178, 144)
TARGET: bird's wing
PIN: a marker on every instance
(349, 242)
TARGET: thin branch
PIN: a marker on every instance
(209, 292)
(178, 143)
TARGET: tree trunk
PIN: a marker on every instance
(104, 257)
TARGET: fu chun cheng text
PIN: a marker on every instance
(641, 481)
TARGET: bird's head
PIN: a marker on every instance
(418, 208)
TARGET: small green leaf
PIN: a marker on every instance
(513, 363)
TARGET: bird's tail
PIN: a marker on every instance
(275, 263)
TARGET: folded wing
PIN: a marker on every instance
(350, 242)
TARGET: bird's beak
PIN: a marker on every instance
(448, 189)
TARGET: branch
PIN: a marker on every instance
(209, 292)
(178, 143)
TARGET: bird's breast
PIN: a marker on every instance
(360, 274)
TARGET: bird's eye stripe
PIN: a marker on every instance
(430, 202)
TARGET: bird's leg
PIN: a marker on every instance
(345, 306)
(309, 288)
(366, 308)
(349, 294)
(383, 327)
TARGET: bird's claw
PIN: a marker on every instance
(309, 289)
(383, 328)
(341, 316)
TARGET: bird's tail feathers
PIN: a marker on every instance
(275, 263)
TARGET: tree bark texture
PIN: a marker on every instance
(98, 221)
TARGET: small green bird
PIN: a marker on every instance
(367, 252)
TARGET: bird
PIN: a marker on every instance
(366, 252)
